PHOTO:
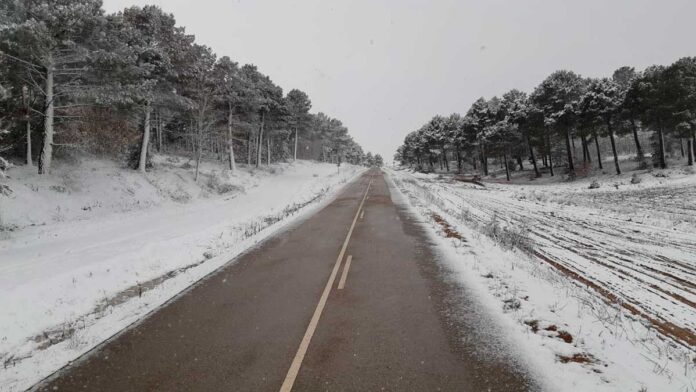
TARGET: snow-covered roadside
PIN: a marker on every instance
(577, 340)
(67, 284)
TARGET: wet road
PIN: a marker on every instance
(275, 320)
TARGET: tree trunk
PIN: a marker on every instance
(534, 162)
(30, 162)
(548, 142)
(230, 140)
(260, 141)
(459, 161)
(484, 160)
(681, 146)
(519, 162)
(661, 146)
(159, 131)
(249, 143)
(691, 152)
(693, 143)
(571, 166)
(613, 148)
(599, 154)
(444, 157)
(146, 138)
(294, 155)
(585, 150)
(639, 150)
(268, 150)
(199, 150)
(47, 148)
(507, 169)
(27, 119)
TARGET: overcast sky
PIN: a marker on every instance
(385, 67)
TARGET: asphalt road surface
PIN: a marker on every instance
(276, 320)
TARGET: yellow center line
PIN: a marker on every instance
(342, 282)
(304, 344)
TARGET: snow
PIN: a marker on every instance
(634, 242)
(90, 249)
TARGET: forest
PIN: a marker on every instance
(655, 109)
(74, 79)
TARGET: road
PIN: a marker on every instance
(276, 320)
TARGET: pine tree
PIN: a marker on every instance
(298, 105)
(558, 96)
(51, 40)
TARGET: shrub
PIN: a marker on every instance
(507, 237)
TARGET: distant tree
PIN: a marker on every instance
(602, 100)
(558, 96)
(516, 110)
(144, 61)
(630, 106)
(477, 122)
(682, 84)
(369, 159)
(231, 96)
(379, 162)
(266, 101)
(298, 105)
(455, 136)
(203, 89)
(651, 92)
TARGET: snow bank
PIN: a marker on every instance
(92, 248)
(609, 240)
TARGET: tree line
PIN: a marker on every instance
(542, 127)
(73, 77)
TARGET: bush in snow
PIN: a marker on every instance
(220, 186)
(508, 237)
(635, 179)
(4, 165)
(594, 184)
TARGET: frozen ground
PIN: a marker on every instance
(600, 283)
(92, 248)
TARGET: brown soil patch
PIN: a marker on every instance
(551, 328)
(577, 358)
(565, 336)
(449, 231)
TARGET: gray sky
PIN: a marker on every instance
(385, 67)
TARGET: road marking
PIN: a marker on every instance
(362, 214)
(304, 344)
(342, 282)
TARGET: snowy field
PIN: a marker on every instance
(600, 284)
(93, 248)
